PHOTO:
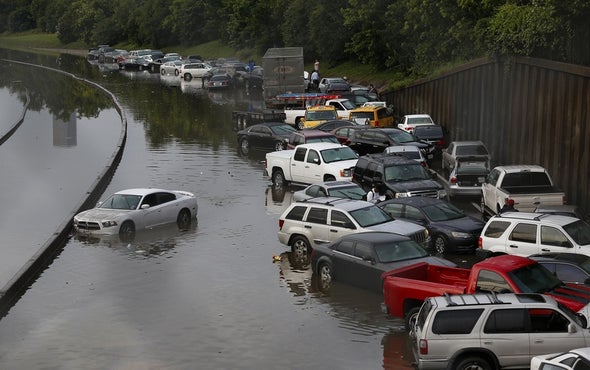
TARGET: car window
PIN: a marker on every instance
(339, 219)
(511, 320)
(568, 273)
(317, 216)
(406, 172)
(579, 231)
(471, 150)
(456, 321)
(162, 198)
(496, 228)
(490, 281)
(352, 192)
(553, 236)
(342, 153)
(493, 177)
(313, 157)
(394, 210)
(296, 213)
(299, 154)
(345, 246)
(316, 191)
(399, 251)
(121, 201)
(443, 212)
(414, 213)
(547, 321)
(363, 250)
(150, 200)
(524, 232)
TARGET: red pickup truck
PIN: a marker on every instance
(405, 289)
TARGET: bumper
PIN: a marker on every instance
(472, 191)
(283, 238)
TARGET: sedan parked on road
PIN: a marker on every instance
(337, 189)
(171, 67)
(334, 85)
(189, 71)
(220, 81)
(361, 258)
(450, 229)
(266, 136)
(136, 209)
(334, 124)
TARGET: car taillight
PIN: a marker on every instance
(281, 223)
(453, 180)
(480, 243)
(410, 128)
(423, 346)
(441, 143)
(376, 123)
(564, 200)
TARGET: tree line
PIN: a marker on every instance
(409, 36)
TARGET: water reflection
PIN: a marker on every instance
(64, 131)
(156, 242)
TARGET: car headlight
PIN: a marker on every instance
(109, 223)
(460, 235)
(402, 195)
(346, 173)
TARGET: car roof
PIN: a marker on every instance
(466, 300)
(321, 146)
(404, 148)
(312, 133)
(377, 237)
(422, 115)
(544, 217)
(341, 203)
(335, 183)
(141, 191)
(270, 124)
(559, 256)
(393, 158)
(468, 142)
(415, 201)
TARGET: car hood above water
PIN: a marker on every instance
(97, 214)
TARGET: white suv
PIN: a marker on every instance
(324, 220)
(524, 234)
(483, 331)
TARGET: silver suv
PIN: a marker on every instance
(489, 331)
(324, 220)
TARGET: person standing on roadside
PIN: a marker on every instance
(316, 66)
(315, 80)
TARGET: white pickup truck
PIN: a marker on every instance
(311, 164)
(295, 116)
(530, 186)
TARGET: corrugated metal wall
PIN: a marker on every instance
(527, 111)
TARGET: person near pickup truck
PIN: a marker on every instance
(508, 206)
(315, 80)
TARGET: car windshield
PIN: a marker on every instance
(322, 139)
(400, 136)
(406, 172)
(443, 212)
(534, 279)
(361, 115)
(428, 132)
(282, 129)
(472, 168)
(342, 153)
(348, 104)
(121, 201)
(579, 231)
(398, 251)
(350, 192)
(409, 154)
(471, 150)
(370, 216)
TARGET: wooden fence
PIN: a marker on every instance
(527, 111)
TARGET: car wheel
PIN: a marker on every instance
(440, 244)
(411, 317)
(162, 71)
(127, 231)
(473, 363)
(300, 247)
(245, 146)
(325, 275)
(279, 146)
(299, 124)
(278, 178)
(188, 77)
(329, 178)
(184, 219)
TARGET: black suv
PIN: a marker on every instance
(369, 140)
(396, 176)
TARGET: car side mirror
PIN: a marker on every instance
(316, 161)
(145, 206)
(571, 328)
(583, 321)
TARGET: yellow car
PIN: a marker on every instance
(318, 114)
(372, 115)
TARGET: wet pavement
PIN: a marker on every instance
(210, 297)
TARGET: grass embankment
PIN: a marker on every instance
(354, 72)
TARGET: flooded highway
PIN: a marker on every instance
(211, 297)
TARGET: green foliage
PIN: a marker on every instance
(410, 37)
(522, 29)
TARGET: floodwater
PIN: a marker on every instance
(211, 297)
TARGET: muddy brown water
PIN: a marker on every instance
(211, 297)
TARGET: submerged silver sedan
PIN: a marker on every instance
(135, 209)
